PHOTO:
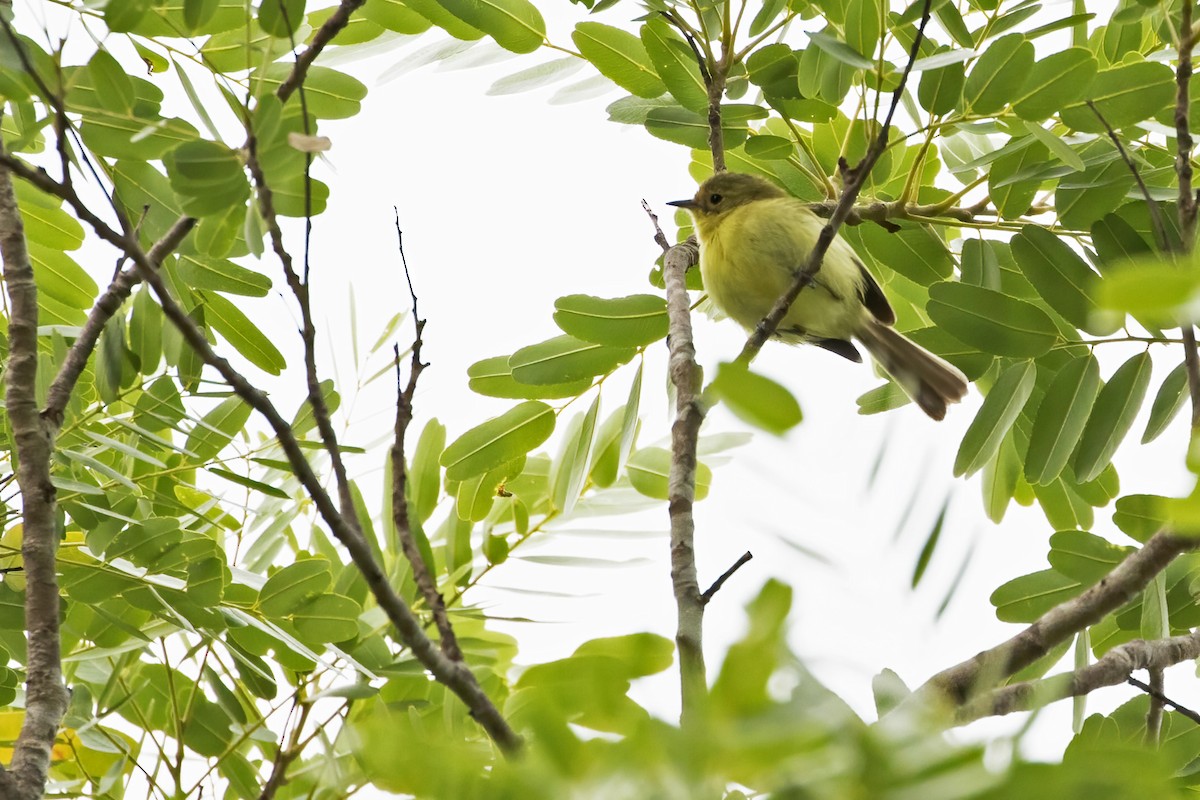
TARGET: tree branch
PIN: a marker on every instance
(404, 415)
(105, 308)
(854, 178)
(1112, 669)
(1187, 196)
(962, 682)
(46, 696)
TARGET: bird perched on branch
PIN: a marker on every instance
(755, 239)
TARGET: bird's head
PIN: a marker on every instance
(724, 192)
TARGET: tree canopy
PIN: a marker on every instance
(199, 596)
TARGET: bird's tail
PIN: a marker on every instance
(929, 380)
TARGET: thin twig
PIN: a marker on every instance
(1162, 698)
(400, 517)
(708, 593)
(1187, 196)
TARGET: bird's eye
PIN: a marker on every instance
(715, 199)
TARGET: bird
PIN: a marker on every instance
(755, 238)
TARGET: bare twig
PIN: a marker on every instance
(1112, 669)
(1158, 224)
(1162, 698)
(726, 575)
(962, 682)
(332, 26)
(404, 415)
(46, 696)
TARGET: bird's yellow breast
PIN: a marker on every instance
(751, 254)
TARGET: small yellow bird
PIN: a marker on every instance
(754, 238)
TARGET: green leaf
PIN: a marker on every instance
(840, 51)
(620, 56)
(1061, 277)
(499, 440)
(997, 414)
(1154, 624)
(769, 148)
(1026, 598)
(114, 89)
(207, 177)
(640, 654)
(1084, 556)
(648, 470)
(217, 428)
(1151, 287)
(281, 18)
(1013, 181)
(61, 277)
(293, 586)
(756, 399)
(536, 77)
(493, 377)
(425, 473)
(863, 26)
(1123, 95)
(690, 128)
(940, 90)
(632, 321)
(1061, 417)
(565, 359)
(328, 93)
(675, 64)
(1116, 407)
(1140, 516)
(1055, 82)
(327, 618)
(1171, 397)
(516, 25)
(222, 275)
(1084, 197)
(990, 320)
(917, 252)
(246, 337)
(572, 466)
(998, 75)
(1001, 477)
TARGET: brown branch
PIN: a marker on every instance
(726, 575)
(286, 754)
(308, 334)
(332, 26)
(46, 696)
(404, 415)
(681, 480)
(960, 683)
(854, 178)
(108, 304)
(1112, 669)
(453, 675)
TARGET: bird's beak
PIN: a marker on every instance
(688, 204)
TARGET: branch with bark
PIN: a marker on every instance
(1113, 668)
(963, 682)
(45, 695)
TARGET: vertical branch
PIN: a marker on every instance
(46, 697)
(1187, 196)
(404, 414)
(685, 432)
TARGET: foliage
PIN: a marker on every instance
(213, 635)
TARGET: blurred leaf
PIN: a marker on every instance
(648, 470)
(756, 399)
